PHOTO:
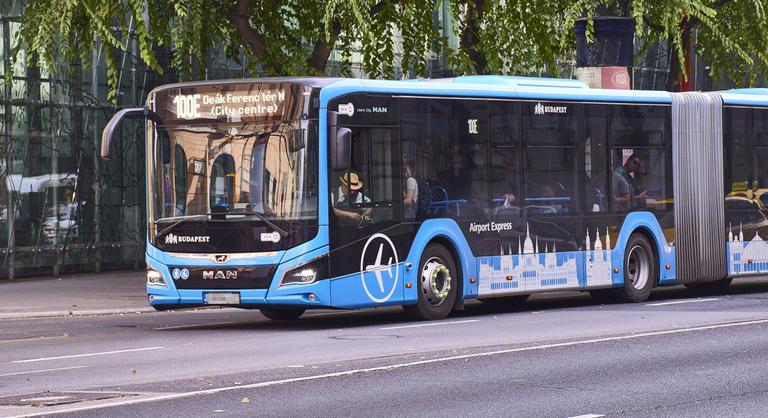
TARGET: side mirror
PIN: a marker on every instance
(296, 141)
(340, 149)
(109, 130)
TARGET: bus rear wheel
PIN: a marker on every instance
(640, 269)
(282, 314)
(437, 284)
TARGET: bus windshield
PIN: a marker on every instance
(222, 179)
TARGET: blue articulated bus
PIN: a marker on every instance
(287, 194)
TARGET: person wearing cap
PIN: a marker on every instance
(350, 194)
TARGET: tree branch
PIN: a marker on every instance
(654, 26)
(322, 48)
(238, 16)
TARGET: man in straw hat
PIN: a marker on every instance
(350, 195)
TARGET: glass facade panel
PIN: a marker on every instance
(62, 209)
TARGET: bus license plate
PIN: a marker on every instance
(222, 298)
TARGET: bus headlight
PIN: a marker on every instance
(155, 278)
(307, 273)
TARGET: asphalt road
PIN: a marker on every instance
(556, 355)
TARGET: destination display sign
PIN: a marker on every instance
(231, 102)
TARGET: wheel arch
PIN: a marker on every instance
(646, 224)
(447, 233)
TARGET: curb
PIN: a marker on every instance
(74, 313)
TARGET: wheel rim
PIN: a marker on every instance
(638, 267)
(436, 281)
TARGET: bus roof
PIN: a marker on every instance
(306, 81)
(494, 87)
(747, 97)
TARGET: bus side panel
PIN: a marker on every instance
(448, 230)
(367, 289)
(510, 274)
(666, 253)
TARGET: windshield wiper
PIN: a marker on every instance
(283, 233)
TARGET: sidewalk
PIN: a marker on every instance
(81, 294)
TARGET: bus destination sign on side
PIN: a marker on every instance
(231, 105)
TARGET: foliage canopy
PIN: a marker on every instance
(297, 37)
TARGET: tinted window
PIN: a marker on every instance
(447, 145)
(550, 180)
(638, 125)
(737, 165)
(504, 123)
(595, 158)
(640, 179)
(760, 127)
(548, 123)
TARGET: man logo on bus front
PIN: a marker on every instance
(385, 274)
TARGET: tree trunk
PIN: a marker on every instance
(469, 37)
(676, 68)
(318, 60)
(238, 15)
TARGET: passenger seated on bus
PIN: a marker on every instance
(549, 198)
(350, 194)
(458, 178)
(410, 191)
(627, 191)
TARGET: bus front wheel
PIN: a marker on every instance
(640, 269)
(437, 284)
(282, 314)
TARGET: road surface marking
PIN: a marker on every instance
(103, 353)
(172, 396)
(677, 302)
(431, 324)
(44, 371)
(588, 416)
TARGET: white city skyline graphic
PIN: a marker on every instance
(533, 270)
(749, 257)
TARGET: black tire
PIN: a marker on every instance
(640, 269)
(437, 284)
(506, 300)
(162, 308)
(282, 314)
(710, 288)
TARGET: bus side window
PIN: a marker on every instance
(595, 159)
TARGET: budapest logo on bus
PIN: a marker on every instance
(541, 109)
(378, 268)
(175, 239)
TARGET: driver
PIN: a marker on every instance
(350, 195)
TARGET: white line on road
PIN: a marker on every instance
(588, 416)
(171, 396)
(44, 371)
(431, 324)
(103, 353)
(677, 302)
